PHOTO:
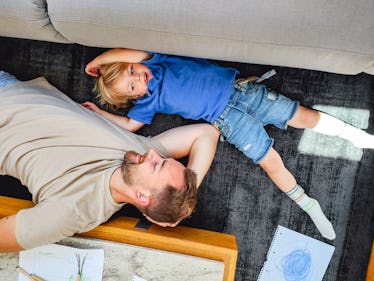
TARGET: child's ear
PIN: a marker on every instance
(142, 198)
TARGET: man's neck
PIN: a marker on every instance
(118, 188)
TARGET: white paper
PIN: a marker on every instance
(59, 263)
(294, 256)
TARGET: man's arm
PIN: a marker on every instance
(199, 141)
(8, 242)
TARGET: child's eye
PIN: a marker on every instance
(132, 86)
(131, 70)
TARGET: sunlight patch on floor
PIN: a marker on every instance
(316, 144)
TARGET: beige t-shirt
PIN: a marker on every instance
(65, 155)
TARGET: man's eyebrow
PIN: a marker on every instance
(157, 167)
(163, 163)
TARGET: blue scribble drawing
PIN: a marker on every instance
(293, 256)
(296, 265)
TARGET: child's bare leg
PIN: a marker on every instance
(278, 173)
(304, 118)
(328, 125)
(285, 181)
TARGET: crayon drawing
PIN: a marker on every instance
(295, 257)
(296, 265)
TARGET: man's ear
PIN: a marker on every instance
(142, 198)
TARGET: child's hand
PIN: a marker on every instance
(93, 68)
(91, 106)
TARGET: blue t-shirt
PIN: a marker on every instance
(190, 87)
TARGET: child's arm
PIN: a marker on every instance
(198, 141)
(115, 55)
(122, 121)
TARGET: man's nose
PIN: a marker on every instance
(153, 155)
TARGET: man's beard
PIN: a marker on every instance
(129, 167)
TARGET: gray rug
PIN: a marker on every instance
(236, 196)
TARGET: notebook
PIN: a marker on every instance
(60, 263)
(294, 256)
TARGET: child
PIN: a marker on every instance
(197, 89)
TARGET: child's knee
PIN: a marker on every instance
(272, 162)
(305, 118)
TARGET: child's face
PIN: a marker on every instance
(133, 81)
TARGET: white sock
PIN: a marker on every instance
(313, 209)
(331, 126)
(358, 137)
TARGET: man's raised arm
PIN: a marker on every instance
(198, 141)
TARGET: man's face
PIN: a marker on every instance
(150, 170)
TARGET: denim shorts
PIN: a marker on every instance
(7, 79)
(250, 108)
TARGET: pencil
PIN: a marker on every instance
(32, 277)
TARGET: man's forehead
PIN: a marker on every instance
(176, 171)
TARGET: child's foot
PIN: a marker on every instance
(313, 209)
(358, 137)
(331, 126)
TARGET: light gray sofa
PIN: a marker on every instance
(332, 36)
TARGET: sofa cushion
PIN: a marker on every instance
(27, 19)
(334, 36)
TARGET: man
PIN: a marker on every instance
(81, 168)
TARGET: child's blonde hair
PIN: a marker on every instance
(109, 74)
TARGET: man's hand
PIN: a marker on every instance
(162, 224)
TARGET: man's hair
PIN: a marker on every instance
(109, 74)
(170, 204)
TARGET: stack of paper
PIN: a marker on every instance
(60, 263)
